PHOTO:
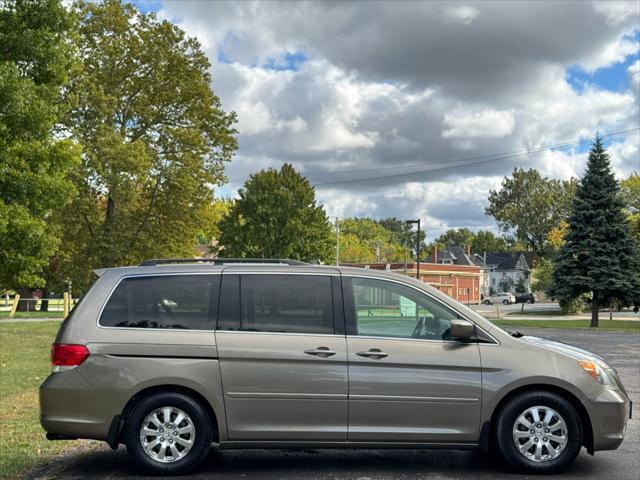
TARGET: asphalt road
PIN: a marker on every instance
(621, 350)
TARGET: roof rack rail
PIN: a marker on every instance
(219, 261)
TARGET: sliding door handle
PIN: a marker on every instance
(373, 353)
(322, 352)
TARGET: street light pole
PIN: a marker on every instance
(417, 247)
(337, 242)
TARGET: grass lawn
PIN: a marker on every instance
(609, 325)
(24, 364)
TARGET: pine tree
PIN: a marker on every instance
(599, 256)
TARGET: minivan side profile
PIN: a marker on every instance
(170, 357)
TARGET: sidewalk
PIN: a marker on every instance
(22, 320)
(603, 318)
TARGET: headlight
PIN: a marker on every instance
(599, 374)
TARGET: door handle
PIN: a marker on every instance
(373, 353)
(322, 352)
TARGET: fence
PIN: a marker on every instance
(64, 304)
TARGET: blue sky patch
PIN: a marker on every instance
(287, 61)
(146, 6)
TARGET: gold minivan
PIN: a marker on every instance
(174, 355)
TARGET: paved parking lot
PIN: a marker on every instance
(621, 350)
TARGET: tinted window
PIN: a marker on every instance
(286, 303)
(389, 309)
(171, 301)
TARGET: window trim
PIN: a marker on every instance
(350, 320)
(337, 302)
(212, 319)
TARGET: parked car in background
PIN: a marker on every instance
(170, 358)
(527, 297)
(505, 298)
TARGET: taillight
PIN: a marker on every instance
(65, 356)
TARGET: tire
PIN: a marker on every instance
(530, 301)
(506, 302)
(487, 302)
(508, 421)
(190, 449)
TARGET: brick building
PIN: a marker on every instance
(461, 282)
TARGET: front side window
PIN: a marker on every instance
(389, 309)
(286, 304)
(166, 301)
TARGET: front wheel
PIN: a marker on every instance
(168, 434)
(506, 302)
(539, 432)
(487, 302)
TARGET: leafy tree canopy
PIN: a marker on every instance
(35, 58)
(630, 189)
(155, 141)
(528, 206)
(364, 240)
(276, 216)
(599, 256)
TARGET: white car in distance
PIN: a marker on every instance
(505, 298)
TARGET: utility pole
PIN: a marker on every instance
(337, 242)
(417, 247)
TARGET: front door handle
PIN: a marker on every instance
(322, 352)
(373, 353)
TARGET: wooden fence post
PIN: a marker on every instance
(14, 307)
(65, 304)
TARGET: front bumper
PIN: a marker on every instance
(609, 416)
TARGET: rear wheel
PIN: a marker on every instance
(539, 432)
(487, 302)
(168, 434)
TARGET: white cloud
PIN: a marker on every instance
(464, 14)
(400, 91)
(616, 12)
(634, 74)
(610, 54)
(483, 123)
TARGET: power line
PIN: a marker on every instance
(468, 161)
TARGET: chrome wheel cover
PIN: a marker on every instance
(167, 434)
(540, 434)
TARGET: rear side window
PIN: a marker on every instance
(168, 301)
(286, 303)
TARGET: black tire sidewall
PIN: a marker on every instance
(507, 417)
(198, 452)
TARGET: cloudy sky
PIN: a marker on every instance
(418, 109)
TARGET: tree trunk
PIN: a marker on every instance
(24, 304)
(595, 308)
(44, 304)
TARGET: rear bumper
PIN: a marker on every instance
(71, 408)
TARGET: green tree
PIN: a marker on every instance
(599, 254)
(487, 241)
(35, 58)
(529, 206)
(155, 142)
(276, 216)
(377, 241)
(630, 189)
(459, 237)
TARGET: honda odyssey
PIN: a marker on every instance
(173, 355)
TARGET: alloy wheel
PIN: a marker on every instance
(540, 434)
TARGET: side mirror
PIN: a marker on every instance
(461, 329)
